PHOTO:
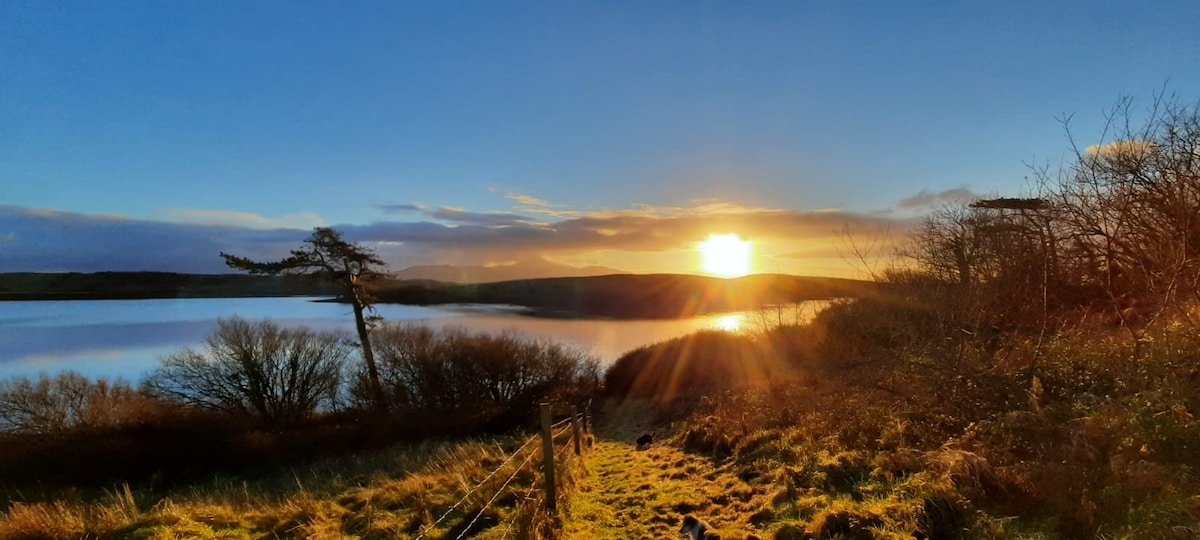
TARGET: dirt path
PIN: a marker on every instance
(630, 493)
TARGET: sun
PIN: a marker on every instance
(725, 255)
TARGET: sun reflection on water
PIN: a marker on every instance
(728, 323)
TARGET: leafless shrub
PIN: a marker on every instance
(453, 370)
(278, 375)
(64, 401)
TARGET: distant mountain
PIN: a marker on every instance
(527, 269)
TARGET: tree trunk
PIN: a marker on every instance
(364, 340)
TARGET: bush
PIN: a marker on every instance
(279, 376)
(695, 365)
(475, 377)
(65, 401)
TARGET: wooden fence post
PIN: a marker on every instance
(548, 457)
(587, 417)
(575, 430)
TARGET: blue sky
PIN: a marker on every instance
(615, 133)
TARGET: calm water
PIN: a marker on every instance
(125, 338)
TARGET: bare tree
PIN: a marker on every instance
(279, 375)
(347, 265)
(1117, 230)
(1133, 202)
(67, 400)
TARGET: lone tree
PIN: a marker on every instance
(346, 265)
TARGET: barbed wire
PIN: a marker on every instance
(564, 450)
(563, 427)
(497, 495)
(508, 528)
(479, 485)
(517, 511)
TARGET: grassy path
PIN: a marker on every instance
(630, 493)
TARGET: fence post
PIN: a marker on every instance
(548, 457)
(575, 430)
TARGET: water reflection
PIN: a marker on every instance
(729, 323)
(127, 337)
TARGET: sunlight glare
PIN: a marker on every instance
(725, 255)
(729, 323)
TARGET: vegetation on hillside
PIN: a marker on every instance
(1031, 374)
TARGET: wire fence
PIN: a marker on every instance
(551, 435)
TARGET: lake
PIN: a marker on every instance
(125, 338)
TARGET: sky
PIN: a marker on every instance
(153, 135)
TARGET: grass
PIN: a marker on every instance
(631, 493)
(395, 493)
(878, 431)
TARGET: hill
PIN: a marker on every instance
(536, 268)
(628, 295)
(144, 285)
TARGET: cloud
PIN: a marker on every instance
(459, 216)
(36, 240)
(402, 208)
(526, 200)
(829, 251)
(640, 228)
(540, 207)
(1118, 149)
(299, 220)
(926, 199)
(483, 219)
(41, 241)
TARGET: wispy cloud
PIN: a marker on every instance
(460, 216)
(235, 218)
(535, 206)
(1124, 148)
(926, 199)
(403, 208)
(482, 219)
(527, 200)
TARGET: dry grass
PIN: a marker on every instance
(398, 493)
(946, 441)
